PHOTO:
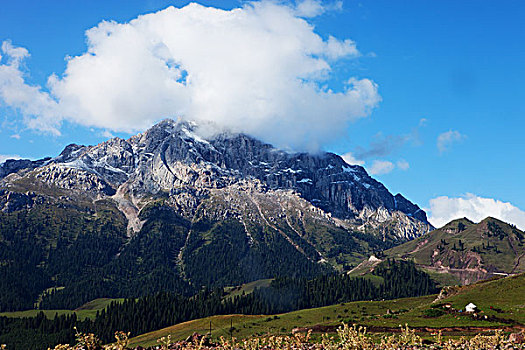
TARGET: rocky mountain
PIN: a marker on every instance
(464, 252)
(168, 209)
(170, 158)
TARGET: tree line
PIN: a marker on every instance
(138, 316)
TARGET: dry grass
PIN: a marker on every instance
(347, 338)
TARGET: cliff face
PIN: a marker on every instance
(170, 158)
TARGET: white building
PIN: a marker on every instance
(470, 308)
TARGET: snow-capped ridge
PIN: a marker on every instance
(172, 157)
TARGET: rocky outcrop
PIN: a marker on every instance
(74, 179)
(11, 166)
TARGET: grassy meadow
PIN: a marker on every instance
(88, 310)
(505, 295)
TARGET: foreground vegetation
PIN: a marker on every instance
(348, 337)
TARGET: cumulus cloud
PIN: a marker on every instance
(106, 134)
(40, 111)
(446, 139)
(15, 55)
(380, 167)
(254, 69)
(444, 209)
(309, 8)
(350, 159)
(313, 8)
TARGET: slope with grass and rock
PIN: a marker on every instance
(462, 252)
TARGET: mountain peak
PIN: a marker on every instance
(69, 152)
(169, 124)
(493, 220)
(462, 222)
(172, 156)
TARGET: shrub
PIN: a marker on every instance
(433, 313)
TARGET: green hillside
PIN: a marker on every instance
(504, 295)
(88, 310)
(246, 288)
(245, 326)
(467, 251)
(60, 255)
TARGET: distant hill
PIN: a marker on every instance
(465, 250)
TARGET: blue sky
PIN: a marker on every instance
(450, 68)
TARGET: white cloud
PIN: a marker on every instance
(4, 157)
(336, 48)
(350, 159)
(309, 8)
(254, 69)
(444, 209)
(15, 136)
(313, 8)
(15, 55)
(380, 167)
(403, 164)
(40, 110)
(446, 139)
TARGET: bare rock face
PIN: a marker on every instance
(172, 160)
(74, 179)
(11, 166)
